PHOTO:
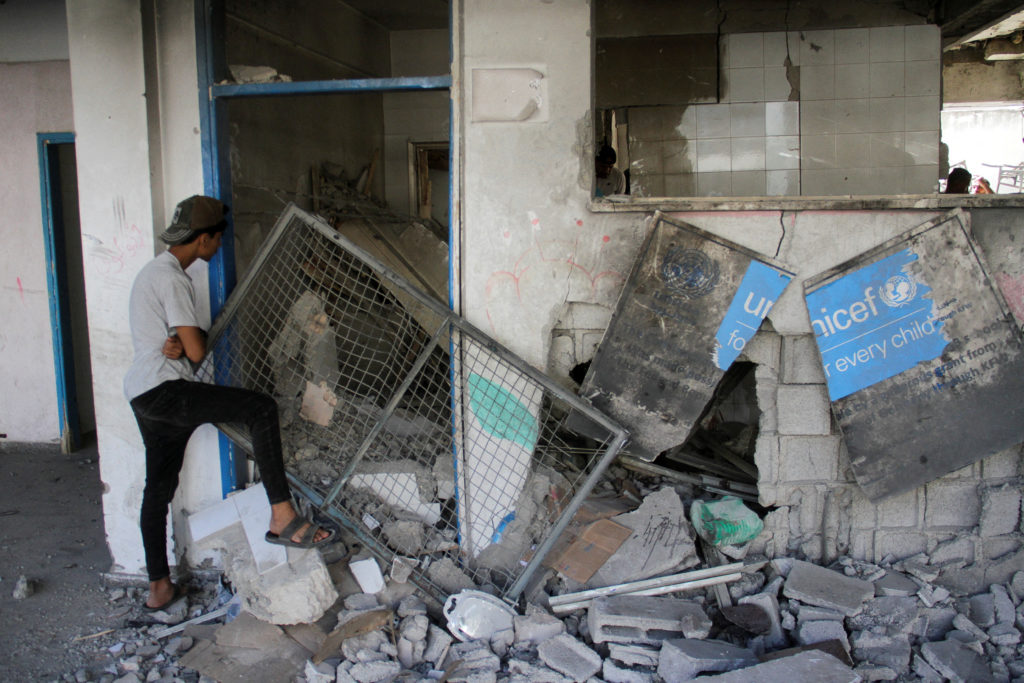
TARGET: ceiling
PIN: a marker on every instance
(404, 15)
(964, 22)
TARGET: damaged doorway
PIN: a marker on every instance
(315, 105)
(66, 287)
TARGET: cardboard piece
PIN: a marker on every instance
(591, 549)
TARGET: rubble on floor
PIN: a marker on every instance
(781, 619)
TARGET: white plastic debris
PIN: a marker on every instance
(474, 615)
(367, 574)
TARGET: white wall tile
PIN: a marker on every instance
(679, 156)
(888, 180)
(818, 182)
(714, 155)
(712, 120)
(886, 44)
(681, 185)
(777, 87)
(744, 85)
(852, 46)
(775, 49)
(782, 118)
(853, 80)
(782, 152)
(748, 154)
(714, 184)
(887, 114)
(888, 150)
(748, 184)
(745, 49)
(921, 179)
(645, 156)
(817, 82)
(645, 123)
(922, 113)
(782, 183)
(853, 150)
(817, 152)
(923, 42)
(746, 119)
(682, 124)
(794, 39)
(923, 147)
(817, 48)
(887, 79)
(922, 78)
(818, 117)
(853, 116)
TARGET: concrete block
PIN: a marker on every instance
(475, 655)
(811, 632)
(367, 573)
(251, 509)
(899, 511)
(803, 409)
(933, 623)
(982, 609)
(804, 667)
(438, 643)
(811, 613)
(808, 458)
(956, 662)
(890, 614)
(801, 362)
(964, 624)
(536, 627)
(958, 550)
(634, 655)
(816, 585)
(529, 672)
(764, 348)
(569, 657)
(374, 672)
(766, 388)
(925, 671)
(892, 652)
(660, 542)
(769, 603)
(414, 627)
(1000, 510)
(900, 544)
(1002, 604)
(400, 490)
(766, 457)
(682, 659)
(319, 673)
(1003, 465)
(616, 674)
(1004, 634)
(895, 584)
(645, 619)
(873, 672)
(951, 505)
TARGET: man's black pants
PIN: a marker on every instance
(167, 416)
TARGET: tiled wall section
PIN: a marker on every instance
(869, 110)
(853, 111)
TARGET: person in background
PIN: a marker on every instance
(983, 187)
(610, 180)
(169, 403)
(958, 182)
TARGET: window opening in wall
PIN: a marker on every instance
(710, 103)
(428, 184)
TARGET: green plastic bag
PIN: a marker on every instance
(725, 522)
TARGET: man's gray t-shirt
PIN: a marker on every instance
(162, 299)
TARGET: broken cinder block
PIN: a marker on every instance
(645, 619)
(823, 587)
(682, 659)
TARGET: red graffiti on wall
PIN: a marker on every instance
(1013, 291)
(128, 240)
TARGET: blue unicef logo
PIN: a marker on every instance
(689, 273)
(899, 290)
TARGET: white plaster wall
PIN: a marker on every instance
(108, 93)
(36, 98)
(33, 31)
(529, 243)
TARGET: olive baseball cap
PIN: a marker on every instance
(198, 212)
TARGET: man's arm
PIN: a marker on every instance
(193, 339)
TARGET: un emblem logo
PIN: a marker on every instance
(689, 273)
(899, 290)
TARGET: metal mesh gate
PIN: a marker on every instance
(478, 481)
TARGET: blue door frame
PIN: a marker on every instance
(217, 169)
(57, 287)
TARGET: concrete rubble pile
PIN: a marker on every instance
(755, 620)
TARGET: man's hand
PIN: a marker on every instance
(173, 348)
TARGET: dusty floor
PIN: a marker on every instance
(51, 531)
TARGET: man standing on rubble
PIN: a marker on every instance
(169, 403)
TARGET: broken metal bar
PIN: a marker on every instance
(566, 607)
(389, 409)
(633, 586)
(210, 616)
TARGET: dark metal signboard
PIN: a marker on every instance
(924, 363)
(691, 303)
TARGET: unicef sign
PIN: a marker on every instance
(874, 323)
